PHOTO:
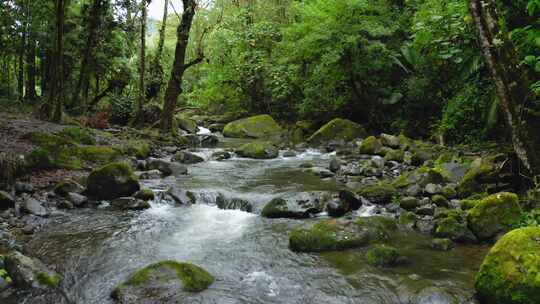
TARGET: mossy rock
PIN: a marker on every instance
(261, 126)
(381, 193)
(30, 272)
(78, 135)
(145, 195)
(163, 282)
(279, 208)
(370, 145)
(65, 187)
(468, 204)
(440, 200)
(476, 178)
(327, 235)
(337, 129)
(408, 219)
(140, 149)
(394, 155)
(187, 124)
(258, 150)
(53, 152)
(383, 256)
(112, 181)
(6, 201)
(510, 273)
(494, 215)
(454, 229)
(442, 244)
(98, 154)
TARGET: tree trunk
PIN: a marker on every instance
(510, 90)
(156, 69)
(174, 87)
(31, 68)
(58, 91)
(20, 78)
(142, 64)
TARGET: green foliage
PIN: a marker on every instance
(121, 108)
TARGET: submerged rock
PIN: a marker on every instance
(185, 157)
(221, 155)
(383, 256)
(258, 150)
(233, 204)
(337, 129)
(181, 196)
(130, 203)
(261, 126)
(167, 168)
(163, 282)
(281, 208)
(510, 271)
(112, 181)
(29, 272)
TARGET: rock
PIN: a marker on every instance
(185, 157)
(289, 153)
(407, 220)
(414, 190)
(21, 187)
(151, 174)
(181, 196)
(476, 179)
(433, 189)
(335, 165)
(167, 168)
(77, 199)
(32, 206)
(163, 282)
(454, 229)
(409, 203)
(67, 186)
(378, 162)
(390, 141)
(425, 210)
(296, 209)
(321, 172)
(337, 129)
(261, 126)
(509, 272)
(6, 201)
(442, 244)
(233, 204)
(437, 295)
(370, 145)
(29, 272)
(112, 181)
(64, 204)
(494, 215)
(187, 124)
(420, 156)
(381, 193)
(208, 140)
(425, 225)
(332, 235)
(258, 150)
(395, 155)
(454, 171)
(383, 256)
(307, 165)
(337, 208)
(440, 201)
(221, 155)
(351, 199)
(449, 192)
(130, 203)
(145, 195)
(216, 127)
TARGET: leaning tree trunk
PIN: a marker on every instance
(510, 90)
(174, 87)
(58, 99)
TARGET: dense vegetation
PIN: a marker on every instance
(412, 66)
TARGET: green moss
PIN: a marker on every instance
(394, 155)
(186, 123)
(261, 126)
(258, 150)
(473, 181)
(467, 204)
(98, 154)
(494, 214)
(139, 149)
(442, 244)
(193, 278)
(440, 200)
(145, 194)
(380, 193)
(4, 275)
(338, 129)
(370, 145)
(326, 235)
(112, 181)
(78, 134)
(49, 280)
(510, 273)
(407, 219)
(382, 256)
(449, 192)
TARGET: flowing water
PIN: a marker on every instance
(97, 249)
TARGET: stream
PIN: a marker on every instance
(95, 250)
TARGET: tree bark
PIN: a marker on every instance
(156, 69)
(509, 89)
(31, 68)
(142, 64)
(58, 79)
(174, 87)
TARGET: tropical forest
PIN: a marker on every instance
(270, 151)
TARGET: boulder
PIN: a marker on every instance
(261, 126)
(112, 181)
(67, 186)
(258, 150)
(130, 203)
(151, 174)
(383, 256)
(407, 220)
(163, 282)
(320, 172)
(475, 180)
(381, 193)
(455, 229)
(185, 157)
(181, 196)
(31, 205)
(337, 208)
(167, 168)
(6, 201)
(494, 215)
(335, 165)
(296, 209)
(187, 124)
(233, 204)
(351, 199)
(440, 201)
(145, 195)
(221, 155)
(29, 272)
(370, 145)
(216, 127)
(337, 129)
(510, 271)
(76, 199)
(409, 203)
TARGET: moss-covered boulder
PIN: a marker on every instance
(394, 155)
(163, 282)
(494, 215)
(454, 228)
(383, 256)
(258, 150)
(78, 134)
(510, 273)
(186, 124)
(112, 181)
(477, 178)
(328, 235)
(138, 148)
(65, 187)
(337, 129)
(261, 126)
(370, 145)
(28, 272)
(380, 193)
(145, 195)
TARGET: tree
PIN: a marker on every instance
(56, 95)
(510, 84)
(174, 87)
(142, 64)
(156, 69)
